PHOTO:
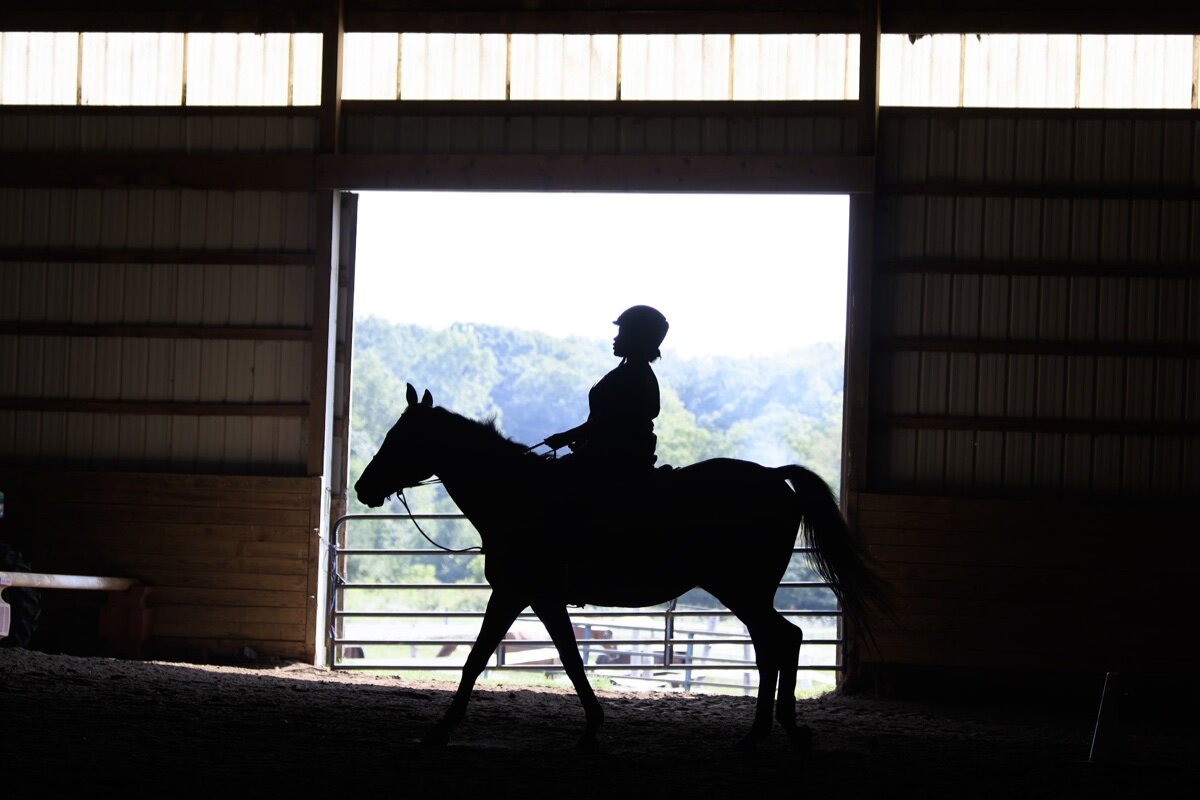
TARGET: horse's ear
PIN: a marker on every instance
(411, 395)
(427, 399)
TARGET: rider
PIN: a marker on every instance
(618, 437)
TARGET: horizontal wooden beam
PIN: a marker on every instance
(80, 15)
(153, 407)
(952, 113)
(648, 173)
(600, 108)
(16, 111)
(705, 18)
(126, 330)
(1123, 349)
(1040, 268)
(500, 172)
(97, 255)
(209, 171)
(605, 16)
(1074, 191)
(937, 16)
(1093, 427)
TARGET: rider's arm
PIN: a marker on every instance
(565, 438)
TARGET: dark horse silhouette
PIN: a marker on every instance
(726, 526)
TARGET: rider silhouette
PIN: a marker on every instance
(617, 440)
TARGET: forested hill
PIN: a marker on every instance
(784, 409)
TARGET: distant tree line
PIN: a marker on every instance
(777, 410)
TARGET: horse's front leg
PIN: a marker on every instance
(554, 616)
(502, 610)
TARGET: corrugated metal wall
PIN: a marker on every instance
(156, 336)
(111, 295)
(1035, 309)
(1033, 459)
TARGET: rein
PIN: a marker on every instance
(417, 525)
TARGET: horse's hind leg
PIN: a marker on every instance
(502, 610)
(758, 616)
(790, 638)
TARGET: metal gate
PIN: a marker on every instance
(671, 647)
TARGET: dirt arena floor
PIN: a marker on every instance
(112, 728)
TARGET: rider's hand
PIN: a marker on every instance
(557, 441)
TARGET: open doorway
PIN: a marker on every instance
(501, 304)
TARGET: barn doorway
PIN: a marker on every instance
(501, 305)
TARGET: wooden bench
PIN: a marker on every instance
(124, 620)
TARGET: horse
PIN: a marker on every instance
(550, 544)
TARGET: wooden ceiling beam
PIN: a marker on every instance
(500, 172)
(607, 16)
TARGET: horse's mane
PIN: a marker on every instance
(482, 435)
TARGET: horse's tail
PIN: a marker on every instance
(837, 553)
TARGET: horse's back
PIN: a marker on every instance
(727, 475)
(728, 492)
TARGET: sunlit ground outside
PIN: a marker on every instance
(502, 306)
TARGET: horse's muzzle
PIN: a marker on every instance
(367, 498)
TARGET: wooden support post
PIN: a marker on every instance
(333, 32)
(855, 431)
(324, 340)
(856, 411)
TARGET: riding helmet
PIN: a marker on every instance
(645, 323)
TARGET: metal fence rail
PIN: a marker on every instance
(670, 656)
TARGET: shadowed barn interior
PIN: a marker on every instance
(1020, 452)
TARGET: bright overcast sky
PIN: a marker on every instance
(734, 274)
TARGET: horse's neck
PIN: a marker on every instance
(478, 474)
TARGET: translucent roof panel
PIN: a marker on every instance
(39, 68)
(131, 69)
(281, 69)
(563, 67)
(453, 66)
(1038, 70)
(795, 67)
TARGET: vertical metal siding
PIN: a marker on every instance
(1126, 156)
(496, 129)
(119, 131)
(155, 369)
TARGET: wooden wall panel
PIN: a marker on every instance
(227, 557)
(1034, 588)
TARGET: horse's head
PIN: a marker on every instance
(403, 459)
